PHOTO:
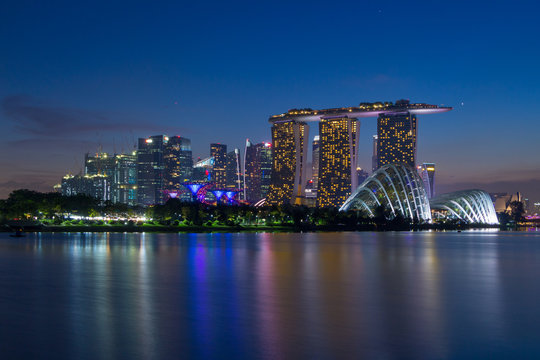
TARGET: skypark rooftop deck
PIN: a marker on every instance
(360, 111)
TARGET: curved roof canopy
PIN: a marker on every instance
(397, 187)
(471, 206)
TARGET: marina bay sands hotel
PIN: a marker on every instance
(338, 147)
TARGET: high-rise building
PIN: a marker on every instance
(178, 162)
(124, 184)
(374, 162)
(395, 142)
(97, 186)
(99, 164)
(396, 139)
(427, 173)
(289, 152)
(219, 153)
(233, 170)
(265, 152)
(338, 159)
(315, 163)
(361, 175)
(257, 170)
(150, 169)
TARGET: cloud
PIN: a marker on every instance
(33, 117)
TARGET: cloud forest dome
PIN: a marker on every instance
(471, 206)
(398, 188)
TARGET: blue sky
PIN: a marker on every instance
(76, 76)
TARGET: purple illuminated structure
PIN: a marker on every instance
(172, 194)
(218, 194)
(198, 190)
(231, 196)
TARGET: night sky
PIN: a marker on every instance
(78, 76)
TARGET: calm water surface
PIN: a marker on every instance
(270, 296)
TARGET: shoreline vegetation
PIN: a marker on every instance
(28, 210)
(227, 229)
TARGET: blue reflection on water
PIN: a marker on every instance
(244, 296)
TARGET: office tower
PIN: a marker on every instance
(178, 162)
(150, 169)
(374, 161)
(265, 155)
(124, 184)
(427, 173)
(361, 175)
(257, 170)
(219, 153)
(99, 164)
(315, 163)
(289, 151)
(396, 143)
(337, 160)
(97, 186)
(233, 170)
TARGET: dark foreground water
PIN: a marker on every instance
(270, 296)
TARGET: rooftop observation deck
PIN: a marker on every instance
(361, 111)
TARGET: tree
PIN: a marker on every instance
(517, 210)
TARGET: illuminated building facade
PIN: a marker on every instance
(315, 162)
(219, 153)
(124, 184)
(396, 139)
(178, 163)
(361, 175)
(150, 169)
(289, 152)
(96, 186)
(469, 206)
(337, 163)
(374, 162)
(265, 155)
(233, 170)
(427, 173)
(99, 164)
(397, 188)
(395, 142)
(257, 170)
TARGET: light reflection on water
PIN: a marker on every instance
(244, 296)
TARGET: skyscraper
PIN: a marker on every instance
(97, 186)
(257, 170)
(427, 173)
(233, 170)
(219, 153)
(315, 162)
(289, 151)
(150, 169)
(374, 162)
(266, 167)
(338, 158)
(396, 143)
(99, 164)
(178, 162)
(124, 184)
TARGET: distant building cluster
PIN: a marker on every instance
(162, 167)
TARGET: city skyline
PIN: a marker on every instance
(66, 93)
